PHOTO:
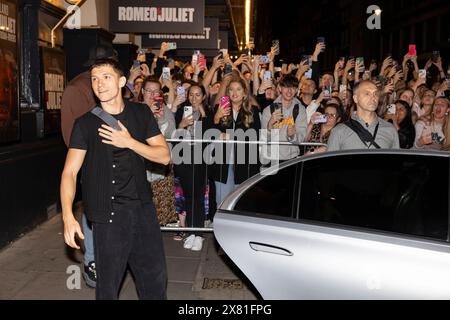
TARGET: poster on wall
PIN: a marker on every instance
(9, 105)
(54, 73)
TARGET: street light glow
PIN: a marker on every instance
(247, 20)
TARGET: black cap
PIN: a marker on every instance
(101, 52)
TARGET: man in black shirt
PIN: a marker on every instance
(116, 194)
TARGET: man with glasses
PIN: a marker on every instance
(365, 130)
(152, 95)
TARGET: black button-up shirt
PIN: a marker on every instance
(123, 180)
(113, 176)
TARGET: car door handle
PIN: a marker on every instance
(269, 248)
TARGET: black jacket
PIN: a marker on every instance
(406, 136)
(242, 171)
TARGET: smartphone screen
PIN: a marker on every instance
(422, 73)
(391, 109)
(264, 59)
(321, 40)
(435, 56)
(412, 50)
(136, 64)
(166, 73)
(276, 45)
(158, 102)
(172, 45)
(322, 118)
(227, 69)
(308, 74)
(195, 57)
(181, 91)
(171, 64)
(327, 92)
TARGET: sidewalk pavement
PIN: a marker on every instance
(34, 267)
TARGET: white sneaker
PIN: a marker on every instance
(198, 244)
(173, 224)
(209, 224)
(189, 242)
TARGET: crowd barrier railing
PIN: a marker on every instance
(194, 193)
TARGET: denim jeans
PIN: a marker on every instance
(88, 241)
(224, 189)
(133, 238)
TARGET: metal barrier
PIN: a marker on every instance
(196, 178)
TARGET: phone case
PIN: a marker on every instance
(322, 119)
(227, 69)
(181, 91)
(391, 109)
(422, 73)
(225, 102)
(187, 111)
(265, 59)
(158, 102)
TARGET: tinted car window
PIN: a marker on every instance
(274, 195)
(397, 193)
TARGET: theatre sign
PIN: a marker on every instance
(157, 16)
(207, 40)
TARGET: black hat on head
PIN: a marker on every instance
(101, 52)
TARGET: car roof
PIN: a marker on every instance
(231, 200)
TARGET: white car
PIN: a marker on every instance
(343, 225)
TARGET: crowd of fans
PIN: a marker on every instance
(298, 100)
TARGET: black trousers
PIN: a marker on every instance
(193, 181)
(133, 238)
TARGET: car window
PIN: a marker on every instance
(396, 193)
(274, 195)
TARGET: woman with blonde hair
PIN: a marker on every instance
(235, 112)
(429, 128)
